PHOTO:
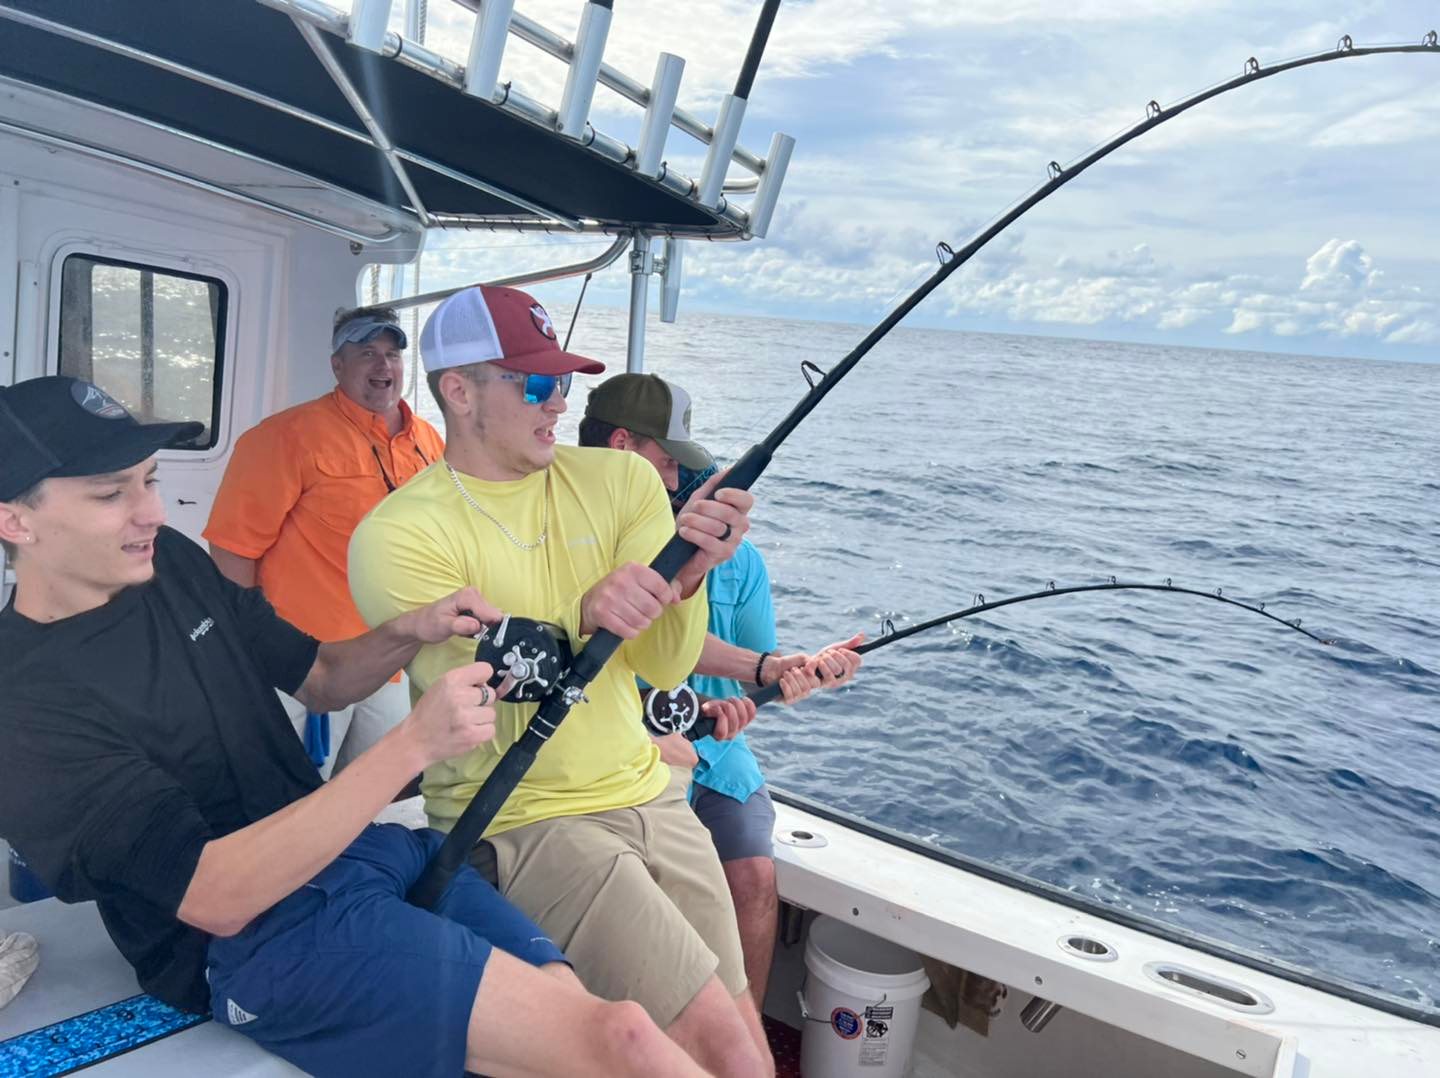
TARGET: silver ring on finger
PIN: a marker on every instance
(486, 695)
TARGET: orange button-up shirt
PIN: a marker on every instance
(296, 486)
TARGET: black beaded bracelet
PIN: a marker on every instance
(759, 667)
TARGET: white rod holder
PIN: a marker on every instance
(642, 265)
(415, 20)
(722, 145)
(579, 90)
(671, 277)
(369, 20)
(768, 193)
(487, 48)
(656, 127)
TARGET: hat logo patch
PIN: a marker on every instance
(542, 321)
(96, 401)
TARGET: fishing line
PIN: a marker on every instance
(591, 658)
(575, 314)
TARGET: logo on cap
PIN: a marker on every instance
(542, 321)
(96, 401)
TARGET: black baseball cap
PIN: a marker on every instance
(58, 426)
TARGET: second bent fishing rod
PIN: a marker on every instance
(570, 690)
(700, 725)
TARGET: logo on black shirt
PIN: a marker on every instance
(201, 629)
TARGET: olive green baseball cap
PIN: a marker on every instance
(647, 404)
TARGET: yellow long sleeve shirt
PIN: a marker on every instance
(600, 509)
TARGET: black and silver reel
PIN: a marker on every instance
(529, 657)
(671, 712)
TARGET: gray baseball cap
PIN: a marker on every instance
(364, 329)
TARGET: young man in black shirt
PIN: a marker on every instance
(146, 763)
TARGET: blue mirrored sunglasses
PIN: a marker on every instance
(538, 388)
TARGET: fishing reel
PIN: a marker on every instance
(529, 655)
(671, 712)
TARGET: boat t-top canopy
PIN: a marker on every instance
(325, 114)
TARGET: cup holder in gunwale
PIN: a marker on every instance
(1088, 948)
(805, 839)
(1207, 986)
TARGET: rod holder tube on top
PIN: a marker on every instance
(584, 69)
(531, 32)
(727, 131)
(664, 92)
(642, 265)
(1037, 1014)
(487, 49)
(416, 20)
(369, 20)
(767, 195)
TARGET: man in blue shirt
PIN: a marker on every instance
(644, 414)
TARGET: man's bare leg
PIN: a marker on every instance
(531, 1024)
(757, 911)
(723, 1034)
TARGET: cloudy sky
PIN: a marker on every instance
(1298, 214)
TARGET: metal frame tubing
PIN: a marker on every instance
(574, 269)
(364, 239)
(332, 67)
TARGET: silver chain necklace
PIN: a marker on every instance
(544, 512)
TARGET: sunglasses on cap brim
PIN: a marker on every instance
(538, 388)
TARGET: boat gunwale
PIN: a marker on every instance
(1346, 990)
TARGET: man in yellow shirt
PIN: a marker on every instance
(597, 843)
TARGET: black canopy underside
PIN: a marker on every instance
(260, 49)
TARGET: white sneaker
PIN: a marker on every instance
(19, 955)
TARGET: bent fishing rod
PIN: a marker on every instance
(673, 712)
(569, 689)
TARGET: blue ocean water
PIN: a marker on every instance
(1159, 753)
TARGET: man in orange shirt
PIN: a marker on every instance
(296, 487)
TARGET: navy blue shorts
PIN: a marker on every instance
(738, 828)
(344, 977)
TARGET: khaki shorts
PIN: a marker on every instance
(636, 899)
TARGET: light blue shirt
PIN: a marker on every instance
(741, 613)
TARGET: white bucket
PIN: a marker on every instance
(861, 1001)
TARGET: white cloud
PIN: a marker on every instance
(1399, 121)
(1338, 268)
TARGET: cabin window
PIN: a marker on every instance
(150, 337)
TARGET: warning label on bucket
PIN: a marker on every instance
(876, 1046)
